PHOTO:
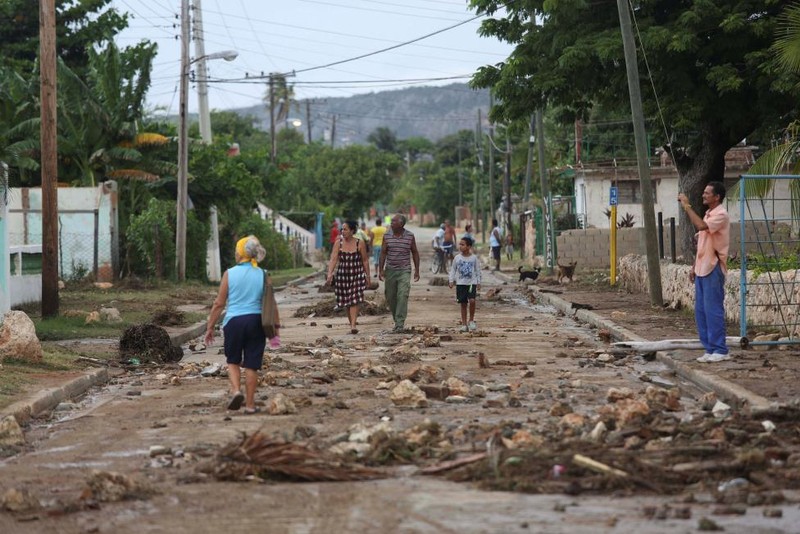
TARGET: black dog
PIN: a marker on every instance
(533, 275)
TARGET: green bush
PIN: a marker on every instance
(279, 255)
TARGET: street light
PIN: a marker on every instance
(183, 138)
(202, 89)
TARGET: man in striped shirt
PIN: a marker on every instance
(395, 268)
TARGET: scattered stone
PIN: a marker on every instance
(18, 338)
(707, 525)
(211, 370)
(159, 450)
(106, 486)
(92, 318)
(773, 513)
(598, 432)
(425, 374)
(708, 400)
(560, 409)
(628, 410)
(456, 399)
(20, 501)
(435, 391)
(666, 399)
(408, 394)
(573, 421)
(514, 402)
(477, 390)
(110, 315)
(280, 404)
(493, 403)
(457, 387)
(616, 394)
(721, 410)
(65, 407)
(605, 357)
(528, 373)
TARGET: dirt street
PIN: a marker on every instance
(538, 400)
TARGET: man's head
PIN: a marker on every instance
(494, 222)
(398, 222)
(713, 194)
(447, 222)
(378, 222)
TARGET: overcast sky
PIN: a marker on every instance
(294, 35)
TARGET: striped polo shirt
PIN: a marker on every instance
(398, 250)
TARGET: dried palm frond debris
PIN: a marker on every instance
(260, 456)
(147, 343)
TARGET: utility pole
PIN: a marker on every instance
(547, 207)
(202, 74)
(491, 159)
(49, 147)
(507, 183)
(183, 149)
(460, 178)
(479, 178)
(637, 114)
(274, 150)
(529, 167)
(308, 119)
(333, 132)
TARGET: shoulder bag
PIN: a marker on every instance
(269, 310)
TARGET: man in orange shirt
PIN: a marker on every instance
(709, 270)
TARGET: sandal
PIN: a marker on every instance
(354, 331)
(236, 401)
(251, 411)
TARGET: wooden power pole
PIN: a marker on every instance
(648, 210)
(47, 60)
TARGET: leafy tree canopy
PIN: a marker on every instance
(81, 24)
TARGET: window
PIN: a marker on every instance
(630, 192)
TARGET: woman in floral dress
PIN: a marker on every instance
(350, 263)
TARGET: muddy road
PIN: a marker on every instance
(524, 394)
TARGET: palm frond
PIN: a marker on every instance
(774, 161)
(787, 44)
(132, 174)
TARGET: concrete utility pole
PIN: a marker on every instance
(491, 161)
(648, 211)
(202, 74)
(478, 177)
(274, 150)
(49, 147)
(507, 183)
(308, 119)
(529, 167)
(333, 132)
(547, 207)
(183, 149)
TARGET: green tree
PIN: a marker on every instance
(82, 24)
(383, 139)
(19, 127)
(710, 61)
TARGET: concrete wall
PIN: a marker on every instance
(767, 309)
(591, 247)
(76, 225)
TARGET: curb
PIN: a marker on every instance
(733, 393)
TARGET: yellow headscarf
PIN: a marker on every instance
(240, 250)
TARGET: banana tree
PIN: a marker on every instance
(19, 126)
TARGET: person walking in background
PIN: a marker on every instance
(495, 241)
(709, 270)
(376, 241)
(509, 246)
(334, 233)
(449, 242)
(466, 275)
(395, 265)
(363, 235)
(350, 263)
(468, 233)
(240, 294)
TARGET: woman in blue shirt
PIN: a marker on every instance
(241, 289)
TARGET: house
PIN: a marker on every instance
(593, 184)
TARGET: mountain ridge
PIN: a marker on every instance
(430, 112)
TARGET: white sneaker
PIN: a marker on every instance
(472, 326)
(718, 358)
(463, 328)
(704, 358)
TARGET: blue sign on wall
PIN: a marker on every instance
(612, 197)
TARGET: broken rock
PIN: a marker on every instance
(457, 387)
(408, 394)
(18, 338)
(616, 394)
(280, 404)
(10, 432)
(22, 501)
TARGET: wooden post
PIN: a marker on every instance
(47, 60)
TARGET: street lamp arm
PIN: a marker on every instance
(227, 55)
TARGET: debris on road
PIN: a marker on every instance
(148, 343)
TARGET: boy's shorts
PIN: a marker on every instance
(496, 253)
(466, 293)
(245, 341)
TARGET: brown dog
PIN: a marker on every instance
(566, 271)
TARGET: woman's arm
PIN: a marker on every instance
(333, 261)
(216, 308)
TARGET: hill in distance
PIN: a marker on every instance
(430, 112)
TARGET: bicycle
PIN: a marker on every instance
(436, 262)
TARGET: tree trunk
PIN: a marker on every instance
(695, 172)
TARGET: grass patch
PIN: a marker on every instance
(19, 376)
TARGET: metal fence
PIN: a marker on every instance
(769, 251)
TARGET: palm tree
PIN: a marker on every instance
(19, 124)
(782, 156)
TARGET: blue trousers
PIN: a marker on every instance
(709, 312)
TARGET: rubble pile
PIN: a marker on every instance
(327, 308)
(147, 343)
